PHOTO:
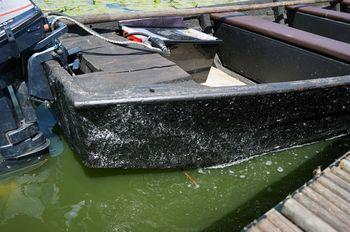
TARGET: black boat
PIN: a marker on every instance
(229, 86)
(270, 86)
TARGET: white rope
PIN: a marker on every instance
(94, 33)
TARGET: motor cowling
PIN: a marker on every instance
(23, 33)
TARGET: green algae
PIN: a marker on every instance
(65, 196)
(79, 7)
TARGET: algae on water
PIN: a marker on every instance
(80, 7)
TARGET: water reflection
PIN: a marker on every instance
(28, 194)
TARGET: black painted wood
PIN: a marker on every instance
(266, 59)
(113, 119)
(171, 126)
(330, 28)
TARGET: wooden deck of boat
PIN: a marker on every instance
(218, 78)
(322, 204)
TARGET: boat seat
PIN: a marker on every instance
(321, 12)
(297, 37)
(324, 22)
(345, 3)
(106, 66)
(265, 51)
(111, 81)
(345, 6)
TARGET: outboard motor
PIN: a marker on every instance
(26, 41)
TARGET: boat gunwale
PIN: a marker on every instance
(168, 92)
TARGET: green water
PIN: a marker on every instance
(78, 7)
(65, 196)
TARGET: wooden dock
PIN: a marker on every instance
(322, 204)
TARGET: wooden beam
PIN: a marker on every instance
(102, 18)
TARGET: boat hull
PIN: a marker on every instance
(179, 126)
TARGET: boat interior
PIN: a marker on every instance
(218, 92)
(243, 49)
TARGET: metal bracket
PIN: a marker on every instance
(51, 38)
(38, 83)
(11, 39)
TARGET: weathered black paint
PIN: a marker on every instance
(318, 25)
(176, 126)
(266, 59)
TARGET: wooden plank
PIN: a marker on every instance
(334, 188)
(302, 39)
(110, 67)
(321, 12)
(303, 217)
(331, 196)
(323, 204)
(340, 173)
(267, 226)
(321, 212)
(103, 56)
(109, 82)
(281, 222)
(218, 65)
(252, 228)
(101, 18)
(331, 210)
(338, 181)
(218, 78)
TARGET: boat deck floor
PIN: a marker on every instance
(219, 78)
(106, 67)
(322, 204)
